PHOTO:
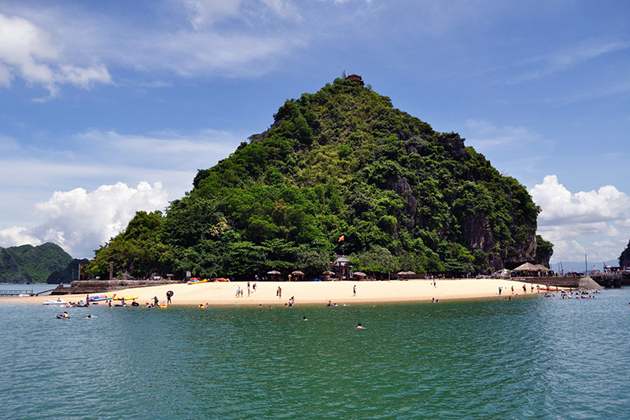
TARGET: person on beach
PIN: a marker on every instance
(169, 295)
(360, 327)
(279, 292)
(500, 290)
(156, 301)
(354, 290)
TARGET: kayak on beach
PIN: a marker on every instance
(196, 280)
(100, 298)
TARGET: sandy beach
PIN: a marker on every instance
(338, 292)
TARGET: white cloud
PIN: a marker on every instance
(484, 134)
(592, 222)
(166, 149)
(16, 236)
(207, 12)
(559, 61)
(29, 52)
(561, 207)
(81, 221)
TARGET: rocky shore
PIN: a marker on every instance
(106, 286)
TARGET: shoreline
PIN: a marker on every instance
(339, 292)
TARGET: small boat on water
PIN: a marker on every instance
(57, 301)
(126, 298)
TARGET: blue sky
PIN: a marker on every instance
(110, 107)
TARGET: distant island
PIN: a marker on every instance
(31, 264)
(340, 172)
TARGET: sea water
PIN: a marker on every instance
(544, 358)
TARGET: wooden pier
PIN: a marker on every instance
(17, 293)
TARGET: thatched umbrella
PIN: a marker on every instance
(359, 274)
(527, 267)
(295, 274)
(274, 272)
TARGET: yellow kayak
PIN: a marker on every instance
(126, 298)
(196, 281)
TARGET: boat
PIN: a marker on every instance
(100, 298)
(196, 280)
(221, 279)
(126, 298)
(57, 301)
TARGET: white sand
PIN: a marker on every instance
(311, 292)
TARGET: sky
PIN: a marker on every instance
(108, 108)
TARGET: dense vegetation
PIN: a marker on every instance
(624, 258)
(339, 162)
(68, 274)
(29, 264)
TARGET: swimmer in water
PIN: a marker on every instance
(304, 318)
(360, 327)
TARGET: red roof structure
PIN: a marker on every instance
(355, 78)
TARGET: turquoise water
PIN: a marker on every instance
(489, 359)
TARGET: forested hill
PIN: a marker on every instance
(29, 264)
(341, 162)
(624, 258)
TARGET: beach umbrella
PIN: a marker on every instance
(527, 267)
(274, 272)
(359, 274)
(297, 273)
(327, 273)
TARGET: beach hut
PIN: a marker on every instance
(531, 268)
(527, 267)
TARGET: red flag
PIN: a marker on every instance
(341, 239)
